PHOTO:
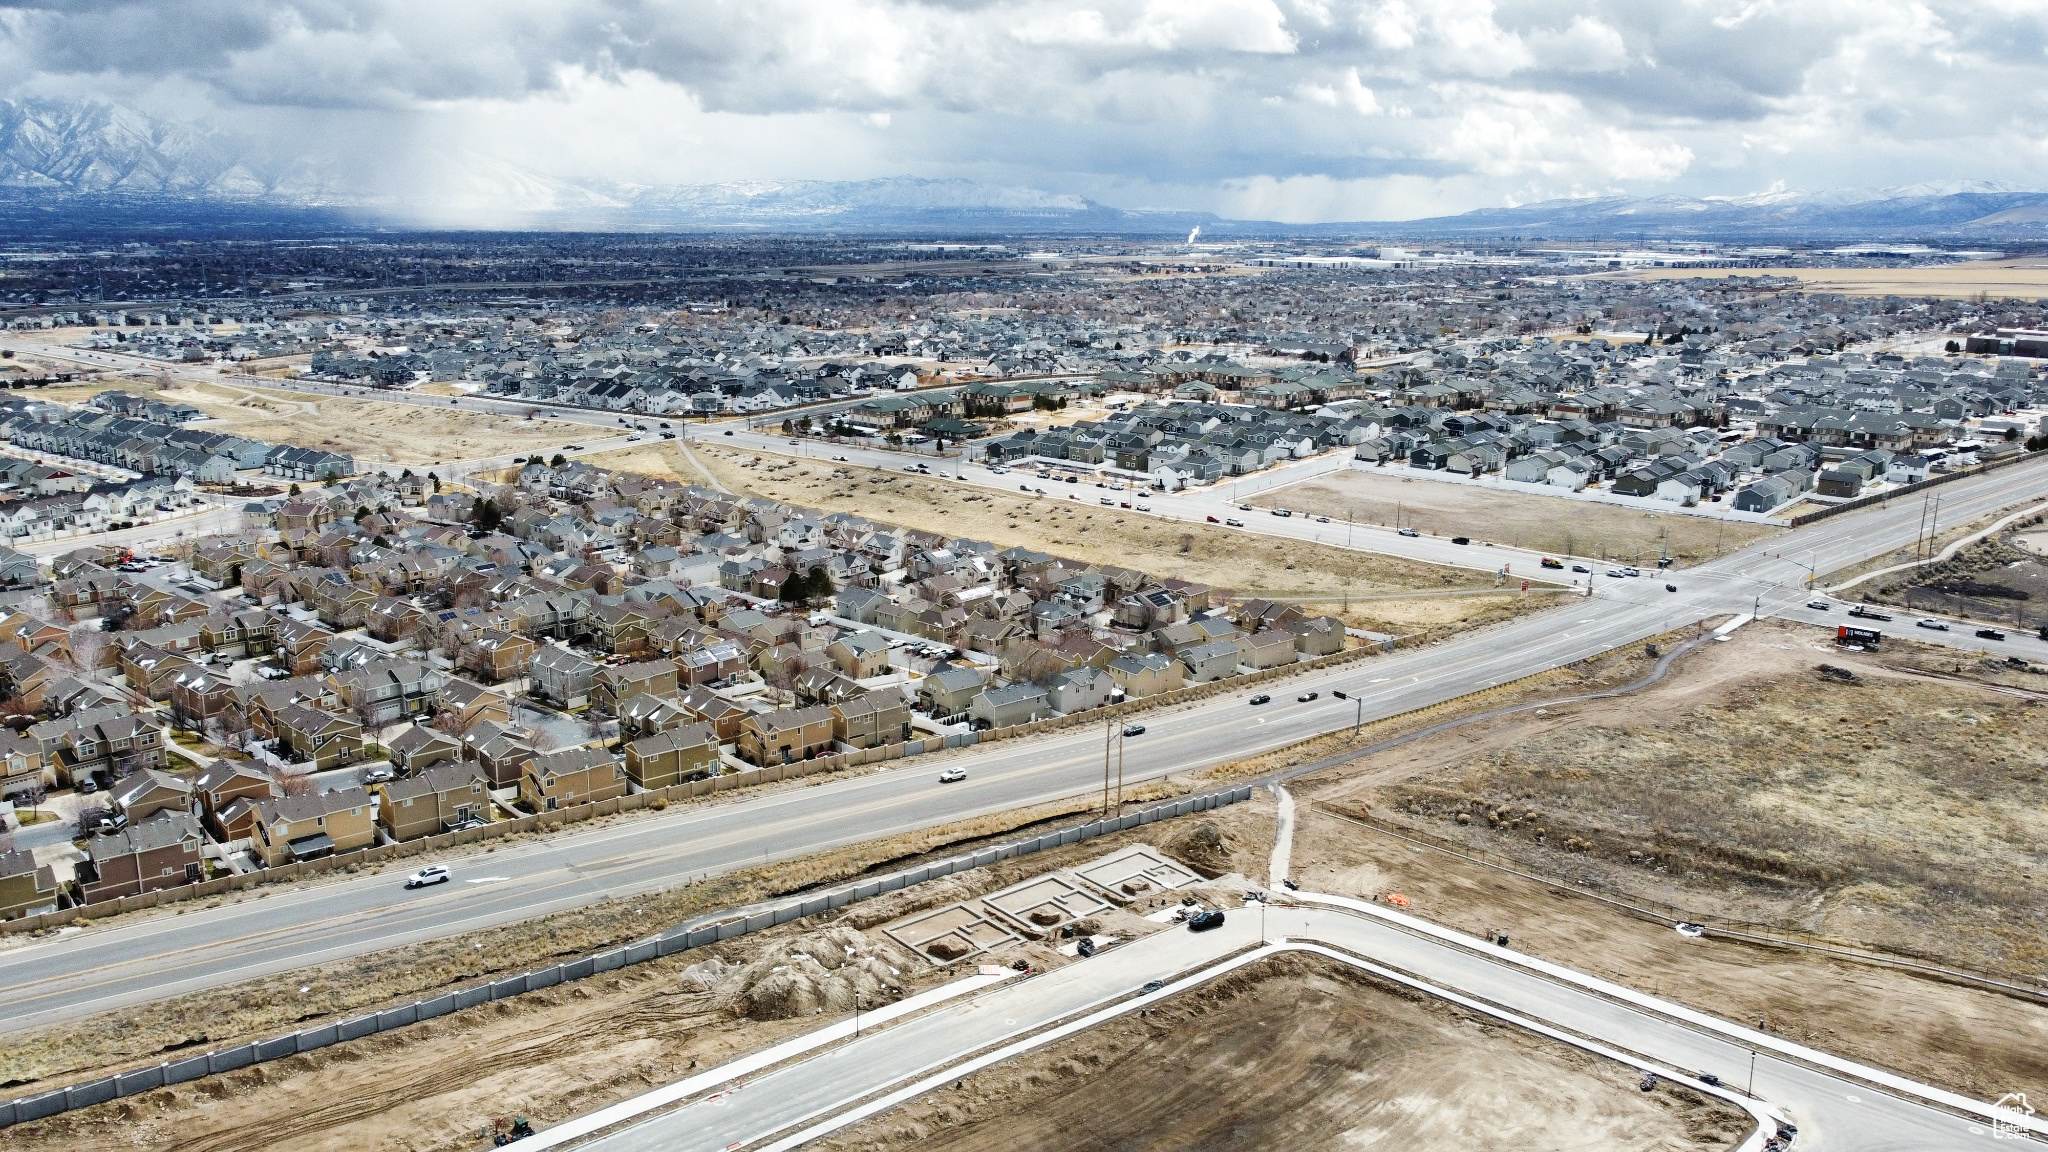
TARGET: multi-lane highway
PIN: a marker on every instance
(139, 959)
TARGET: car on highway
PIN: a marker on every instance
(1244, 507)
(1322, 519)
(1305, 697)
(1281, 512)
(1212, 520)
(1817, 605)
(635, 436)
(1582, 568)
(1204, 921)
(728, 431)
(1931, 624)
(1461, 540)
(1105, 501)
(431, 874)
(572, 447)
(1232, 523)
(952, 775)
(668, 435)
(1144, 507)
(1134, 729)
(1408, 532)
(1867, 613)
(1989, 634)
(1616, 573)
(1547, 562)
(1631, 572)
(1261, 698)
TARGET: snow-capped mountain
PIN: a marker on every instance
(1962, 208)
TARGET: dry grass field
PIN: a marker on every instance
(1517, 519)
(1300, 1052)
(1244, 565)
(1904, 812)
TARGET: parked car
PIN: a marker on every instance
(431, 874)
(1261, 698)
(1134, 729)
(377, 774)
(113, 822)
(1930, 623)
(1204, 921)
(1989, 634)
(952, 775)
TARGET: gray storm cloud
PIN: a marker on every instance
(1299, 107)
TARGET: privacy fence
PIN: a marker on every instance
(1907, 489)
(695, 933)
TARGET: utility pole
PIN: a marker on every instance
(1119, 775)
(1108, 735)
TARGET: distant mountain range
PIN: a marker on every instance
(83, 167)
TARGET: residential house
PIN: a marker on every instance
(555, 780)
(307, 827)
(872, 718)
(786, 735)
(25, 886)
(447, 795)
(1142, 674)
(323, 739)
(561, 677)
(1009, 705)
(672, 756)
(149, 856)
(149, 792)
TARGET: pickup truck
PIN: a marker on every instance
(1867, 613)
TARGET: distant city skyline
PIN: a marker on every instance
(1290, 110)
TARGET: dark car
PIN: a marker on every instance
(1134, 729)
(1305, 697)
(1261, 698)
(1582, 568)
(1990, 634)
(1461, 539)
(728, 431)
(1203, 921)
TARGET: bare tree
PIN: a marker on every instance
(35, 792)
(87, 822)
(296, 783)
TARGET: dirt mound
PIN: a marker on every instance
(1209, 849)
(835, 968)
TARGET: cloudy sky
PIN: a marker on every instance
(1297, 110)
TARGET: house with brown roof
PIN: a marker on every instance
(785, 735)
(561, 677)
(464, 705)
(502, 750)
(391, 689)
(25, 886)
(724, 716)
(308, 827)
(150, 856)
(492, 655)
(613, 684)
(322, 739)
(434, 800)
(149, 792)
(21, 764)
(419, 748)
(672, 756)
(151, 671)
(571, 776)
(222, 785)
(872, 718)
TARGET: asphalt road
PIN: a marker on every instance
(1832, 1112)
(126, 962)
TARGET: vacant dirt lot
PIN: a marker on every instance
(2002, 580)
(1300, 1052)
(1518, 519)
(1247, 566)
(566, 1050)
(1902, 814)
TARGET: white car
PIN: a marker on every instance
(1933, 624)
(952, 775)
(431, 874)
